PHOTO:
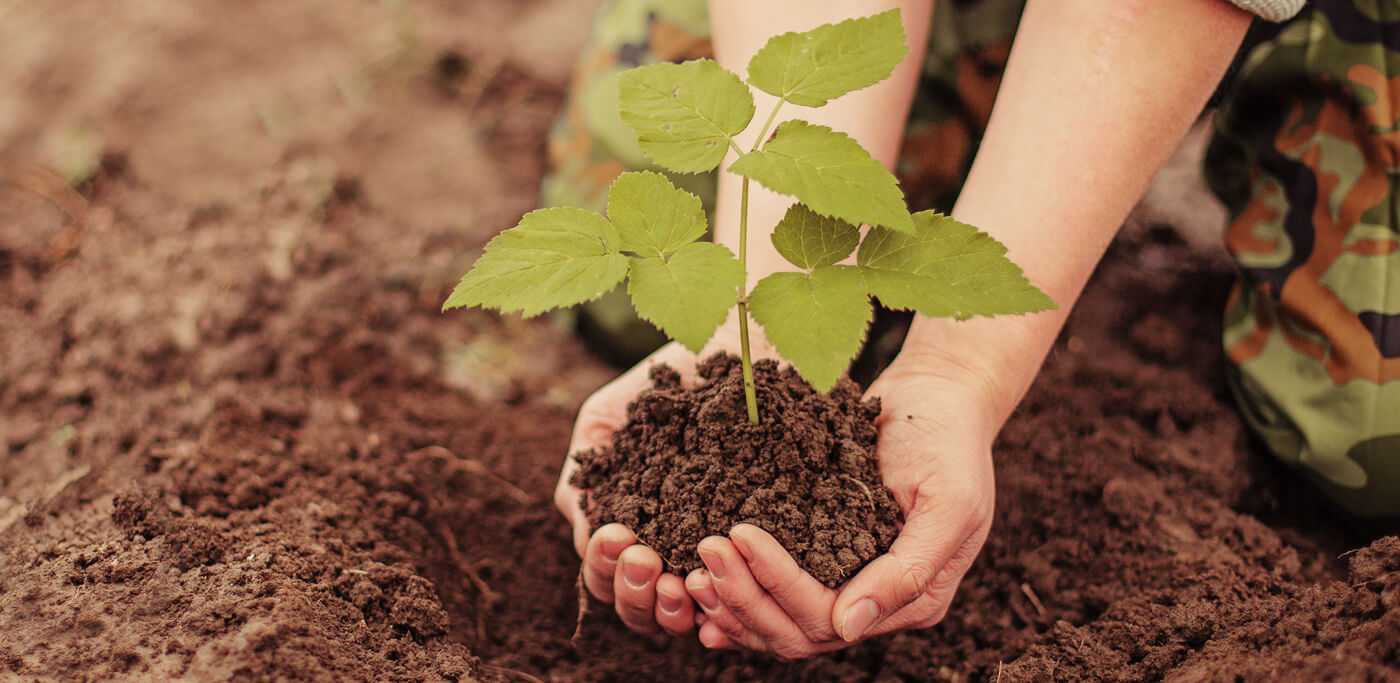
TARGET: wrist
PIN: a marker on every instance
(990, 362)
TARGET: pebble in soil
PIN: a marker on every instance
(688, 464)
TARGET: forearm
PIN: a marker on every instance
(1095, 98)
(874, 116)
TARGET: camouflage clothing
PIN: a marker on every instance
(1305, 158)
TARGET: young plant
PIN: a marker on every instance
(686, 117)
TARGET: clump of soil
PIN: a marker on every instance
(689, 464)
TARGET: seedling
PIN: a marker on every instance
(686, 117)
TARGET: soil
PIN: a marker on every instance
(688, 464)
(238, 441)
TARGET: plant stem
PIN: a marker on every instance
(750, 393)
(745, 357)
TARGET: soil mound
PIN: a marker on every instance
(688, 464)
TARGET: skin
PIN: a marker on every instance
(1095, 97)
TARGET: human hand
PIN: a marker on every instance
(617, 568)
(936, 432)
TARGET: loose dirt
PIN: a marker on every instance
(687, 465)
(237, 439)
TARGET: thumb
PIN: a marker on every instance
(919, 555)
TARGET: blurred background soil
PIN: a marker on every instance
(237, 439)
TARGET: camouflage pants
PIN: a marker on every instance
(1304, 157)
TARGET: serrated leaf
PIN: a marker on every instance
(946, 269)
(827, 62)
(808, 239)
(685, 114)
(830, 173)
(652, 216)
(553, 258)
(816, 320)
(688, 294)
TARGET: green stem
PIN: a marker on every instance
(750, 393)
(764, 131)
(745, 357)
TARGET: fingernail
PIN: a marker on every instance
(668, 603)
(707, 597)
(859, 618)
(711, 639)
(612, 549)
(636, 575)
(713, 563)
(740, 544)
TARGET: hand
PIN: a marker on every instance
(617, 568)
(935, 455)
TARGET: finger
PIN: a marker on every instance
(600, 559)
(930, 608)
(800, 596)
(924, 547)
(712, 637)
(675, 611)
(634, 587)
(568, 500)
(748, 602)
(715, 618)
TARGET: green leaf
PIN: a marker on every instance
(946, 269)
(685, 114)
(815, 320)
(808, 239)
(829, 61)
(688, 294)
(553, 258)
(653, 216)
(829, 172)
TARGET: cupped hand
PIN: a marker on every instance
(935, 455)
(617, 568)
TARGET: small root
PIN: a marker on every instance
(1380, 578)
(582, 612)
(469, 465)
(1035, 600)
(488, 596)
(869, 496)
(505, 671)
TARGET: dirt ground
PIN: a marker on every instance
(238, 441)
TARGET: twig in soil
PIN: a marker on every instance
(475, 467)
(999, 663)
(1035, 601)
(582, 611)
(502, 671)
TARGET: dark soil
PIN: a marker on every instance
(688, 464)
(238, 441)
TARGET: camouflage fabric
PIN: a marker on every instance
(1305, 158)
(590, 146)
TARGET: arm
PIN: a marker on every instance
(1095, 97)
